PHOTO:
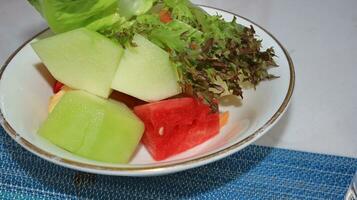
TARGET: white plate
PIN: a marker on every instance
(25, 88)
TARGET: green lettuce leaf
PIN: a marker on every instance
(65, 15)
(105, 22)
(182, 10)
(36, 4)
(130, 8)
(175, 35)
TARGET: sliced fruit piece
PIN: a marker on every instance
(93, 127)
(165, 16)
(176, 125)
(54, 100)
(128, 100)
(57, 97)
(146, 73)
(66, 88)
(81, 59)
(57, 87)
(223, 118)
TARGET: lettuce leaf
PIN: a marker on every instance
(175, 35)
(182, 10)
(172, 36)
(65, 15)
(130, 8)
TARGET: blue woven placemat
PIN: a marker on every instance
(253, 173)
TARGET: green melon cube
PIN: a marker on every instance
(81, 59)
(146, 72)
(93, 127)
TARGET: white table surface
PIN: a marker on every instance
(320, 36)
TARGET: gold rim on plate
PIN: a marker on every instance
(65, 162)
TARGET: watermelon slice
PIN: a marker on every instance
(57, 86)
(176, 125)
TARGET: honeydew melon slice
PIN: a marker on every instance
(146, 72)
(81, 59)
(93, 127)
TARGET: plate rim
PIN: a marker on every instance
(160, 169)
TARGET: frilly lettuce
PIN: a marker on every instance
(175, 35)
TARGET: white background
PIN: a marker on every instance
(321, 37)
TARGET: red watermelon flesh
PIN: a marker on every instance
(176, 125)
(57, 86)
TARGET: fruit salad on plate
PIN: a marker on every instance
(170, 58)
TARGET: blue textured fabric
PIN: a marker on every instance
(253, 173)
